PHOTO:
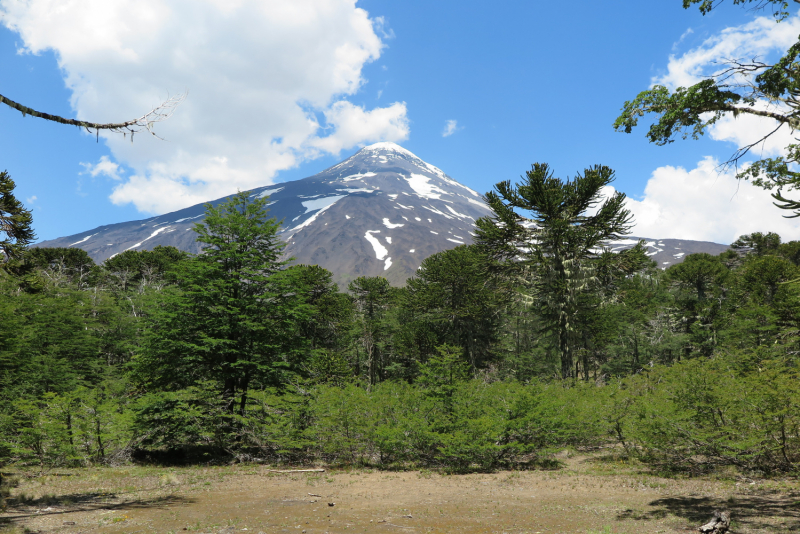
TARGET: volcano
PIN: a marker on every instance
(378, 213)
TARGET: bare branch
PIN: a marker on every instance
(144, 123)
(741, 152)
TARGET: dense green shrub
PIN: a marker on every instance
(703, 413)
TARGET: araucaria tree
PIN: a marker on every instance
(550, 252)
(15, 221)
(225, 321)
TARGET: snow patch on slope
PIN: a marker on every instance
(188, 218)
(83, 240)
(151, 237)
(454, 212)
(473, 201)
(268, 192)
(357, 176)
(359, 190)
(321, 203)
(380, 251)
(423, 187)
(389, 225)
(434, 210)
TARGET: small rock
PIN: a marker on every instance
(69, 522)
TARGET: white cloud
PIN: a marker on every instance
(267, 81)
(450, 128)
(759, 38)
(104, 167)
(683, 36)
(30, 200)
(704, 205)
(353, 124)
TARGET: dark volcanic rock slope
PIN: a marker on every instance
(380, 212)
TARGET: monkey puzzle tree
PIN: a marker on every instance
(454, 302)
(15, 221)
(550, 252)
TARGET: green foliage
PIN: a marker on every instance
(474, 427)
(140, 269)
(684, 113)
(372, 297)
(757, 243)
(79, 427)
(330, 313)
(452, 299)
(15, 221)
(62, 266)
(779, 7)
(704, 413)
(231, 354)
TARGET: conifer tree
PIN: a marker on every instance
(549, 252)
(15, 221)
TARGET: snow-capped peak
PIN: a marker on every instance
(389, 146)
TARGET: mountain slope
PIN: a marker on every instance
(380, 212)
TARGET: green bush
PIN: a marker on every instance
(704, 413)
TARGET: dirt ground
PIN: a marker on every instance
(589, 494)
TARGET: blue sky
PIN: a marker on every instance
(279, 93)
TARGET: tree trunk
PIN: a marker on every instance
(566, 352)
(100, 447)
(244, 386)
(69, 429)
(228, 394)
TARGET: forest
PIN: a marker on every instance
(494, 355)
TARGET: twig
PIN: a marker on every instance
(295, 470)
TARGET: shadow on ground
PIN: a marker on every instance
(749, 511)
(85, 502)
